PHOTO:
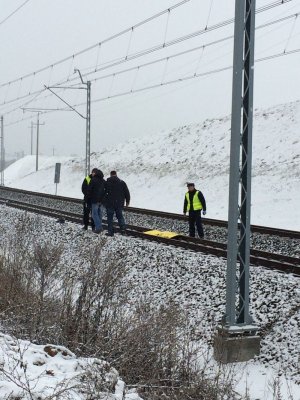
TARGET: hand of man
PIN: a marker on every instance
(184, 213)
(204, 212)
(127, 204)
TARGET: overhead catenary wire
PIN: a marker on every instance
(110, 38)
(184, 52)
(291, 32)
(180, 39)
(71, 69)
(271, 32)
(150, 50)
(98, 55)
(167, 83)
(129, 42)
(137, 55)
(190, 77)
(209, 12)
(14, 12)
(267, 24)
(199, 59)
(165, 69)
(134, 79)
(166, 28)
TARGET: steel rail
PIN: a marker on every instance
(265, 230)
(269, 260)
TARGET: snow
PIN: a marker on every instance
(195, 283)
(27, 370)
(157, 168)
(261, 383)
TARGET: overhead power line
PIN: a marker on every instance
(150, 50)
(175, 41)
(128, 30)
(166, 83)
(186, 78)
(167, 58)
(121, 33)
(14, 12)
(140, 66)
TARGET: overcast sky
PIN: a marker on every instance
(43, 32)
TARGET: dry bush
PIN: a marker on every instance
(156, 355)
(45, 263)
(91, 314)
(101, 295)
(28, 269)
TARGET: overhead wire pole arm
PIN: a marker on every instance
(88, 123)
(69, 105)
(67, 87)
(77, 70)
(87, 117)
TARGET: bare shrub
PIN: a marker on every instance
(156, 355)
(101, 294)
(90, 312)
(28, 270)
(45, 263)
(15, 266)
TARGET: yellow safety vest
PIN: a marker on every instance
(197, 205)
(88, 179)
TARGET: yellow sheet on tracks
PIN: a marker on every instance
(164, 234)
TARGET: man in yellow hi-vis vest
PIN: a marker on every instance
(87, 206)
(194, 202)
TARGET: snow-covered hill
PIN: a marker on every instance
(157, 168)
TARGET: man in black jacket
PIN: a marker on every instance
(117, 194)
(87, 205)
(96, 192)
(194, 202)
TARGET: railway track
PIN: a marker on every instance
(270, 260)
(160, 214)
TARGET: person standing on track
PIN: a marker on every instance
(96, 192)
(117, 194)
(87, 205)
(194, 202)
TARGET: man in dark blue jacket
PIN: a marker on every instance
(96, 192)
(117, 194)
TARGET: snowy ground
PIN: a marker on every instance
(51, 371)
(157, 168)
(196, 283)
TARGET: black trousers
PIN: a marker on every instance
(195, 219)
(87, 210)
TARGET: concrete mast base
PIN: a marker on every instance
(236, 344)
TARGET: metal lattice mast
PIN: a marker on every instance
(37, 142)
(31, 139)
(88, 129)
(238, 250)
(2, 165)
